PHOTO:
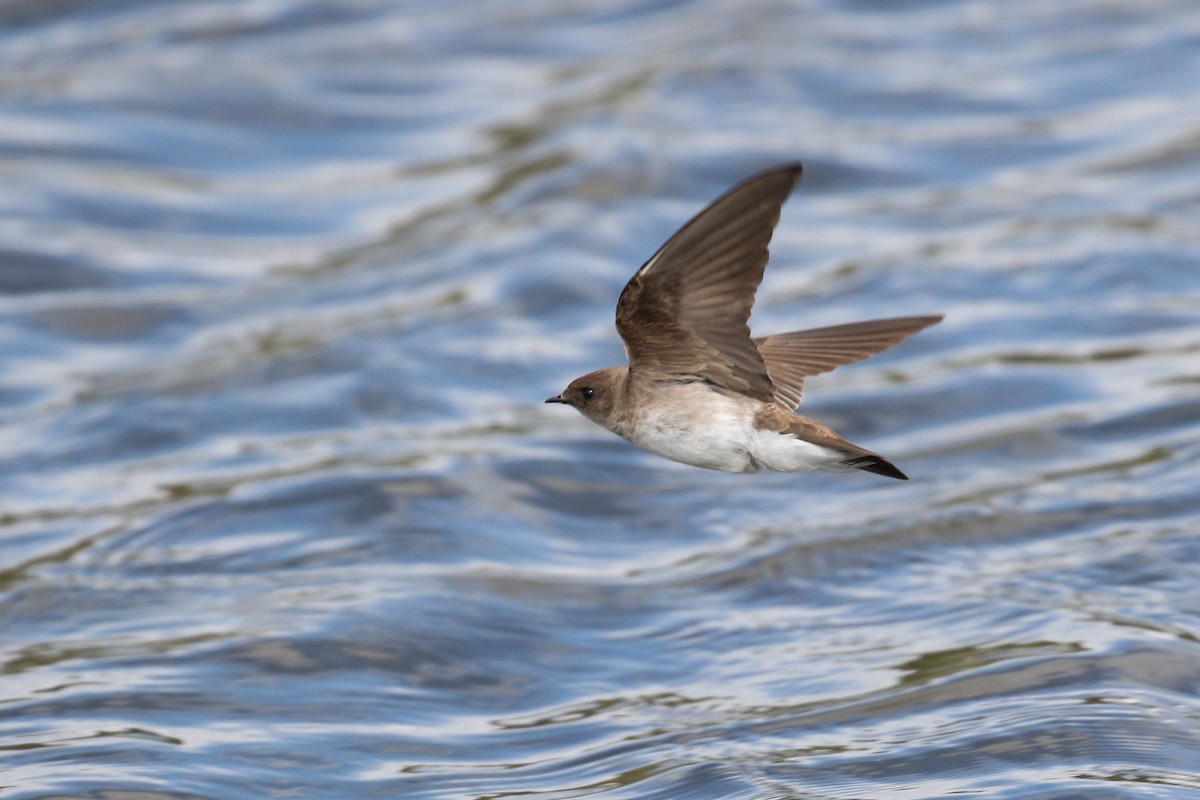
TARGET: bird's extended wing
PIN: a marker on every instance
(791, 357)
(686, 309)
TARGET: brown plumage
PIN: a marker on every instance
(698, 388)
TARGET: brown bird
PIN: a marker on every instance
(698, 388)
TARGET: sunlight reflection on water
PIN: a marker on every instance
(283, 285)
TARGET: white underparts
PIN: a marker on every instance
(693, 424)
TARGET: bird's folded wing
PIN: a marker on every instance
(685, 311)
(791, 357)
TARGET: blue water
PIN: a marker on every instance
(283, 285)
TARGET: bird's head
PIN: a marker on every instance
(596, 394)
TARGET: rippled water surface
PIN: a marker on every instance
(283, 285)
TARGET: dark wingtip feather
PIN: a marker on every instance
(877, 465)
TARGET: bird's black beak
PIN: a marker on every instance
(558, 398)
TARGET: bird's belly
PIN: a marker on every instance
(707, 429)
(697, 426)
(699, 449)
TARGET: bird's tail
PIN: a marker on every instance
(869, 462)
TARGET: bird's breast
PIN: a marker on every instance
(691, 423)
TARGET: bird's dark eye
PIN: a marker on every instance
(587, 392)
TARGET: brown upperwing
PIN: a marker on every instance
(791, 357)
(685, 311)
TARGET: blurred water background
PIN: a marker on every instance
(283, 284)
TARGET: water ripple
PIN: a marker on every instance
(282, 287)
